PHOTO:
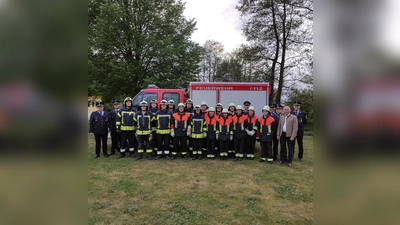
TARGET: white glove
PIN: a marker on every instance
(231, 137)
(188, 132)
(248, 132)
(217, 136)
(205, 134)
(252, 132)
(172, 133)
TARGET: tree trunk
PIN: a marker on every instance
(275, 59)
(283, 56)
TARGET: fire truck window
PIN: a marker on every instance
(137, 99)
(149, 96)
(173, 96)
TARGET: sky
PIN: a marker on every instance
(217, 20)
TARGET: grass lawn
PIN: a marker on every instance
(181, 191)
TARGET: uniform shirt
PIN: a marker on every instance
(301, 119)
(211, 125)
(113, 119)
(125, 119)
(153, 114)
(143, 123)
(239, 123)
(181, 122)
(163, 122)
(264, 124)
(225, 128)
(198, 125)
(99, 122)
(251, 123)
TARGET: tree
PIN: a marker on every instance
(132, 43)
(211, 60)
(305, 96)
(278, 31)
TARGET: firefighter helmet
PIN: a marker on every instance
(171, 102)
(127, 99)
(203, 103)
(266, 108)
(251, 108)
(218, 105)
(197, 107)
(143, 103)
(163, 102)
(231, 104)
(181, 104)
(153, 101)
(239, 107)
(189, 101)
(225, 110)
(211, 109)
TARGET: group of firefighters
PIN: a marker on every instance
(162, 130)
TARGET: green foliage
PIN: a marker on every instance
(305, 96)
(134, 43)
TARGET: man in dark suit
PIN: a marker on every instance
(302, 121)
(99, 126)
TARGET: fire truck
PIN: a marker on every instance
(212, 92)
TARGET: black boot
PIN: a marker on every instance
(173, 157)
(105, 155)
(121, 155)
(199, 157)
(112, 153)
(194, 157)
(158, 157)
(241, 159)
(236, 158)
(96, 156)
(131, 154)
(167, 157)
(149, 157)
(139, 156)
(185, 157)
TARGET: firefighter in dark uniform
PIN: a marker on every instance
(232, 112)
(302, 121)
(99, 124)
(143, 131)
(181, 128)
(274, 128)
(126, 127)
(163, 129)
(204, 110)
(224, 133)
(265, 126)
(153, 109)
(198, 133)
(115, 139)
(171, 108)
(189, 109)
(211, 128)
(251, 128)
(239, 133)
(246, 107)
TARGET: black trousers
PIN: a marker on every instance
(299, 139)
(211, 147)
(223, 148)
(115, 139)
(251, 145)
(101, 140)
(275, 143)
(179, 145)
(285, 155)
(266, 150)
(239, 146)
(130, 136)
(197, 146)
(163, 144)
(154, 141)
(144, 144)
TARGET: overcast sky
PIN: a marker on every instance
(217, 20)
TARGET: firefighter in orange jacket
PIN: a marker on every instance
(198, 125)
(224, 134)
(143, 131)
(181, 128)
(211, 128)
(264, 123)
(239, 123)
(251, 128)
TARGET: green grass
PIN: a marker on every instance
(180, 191)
